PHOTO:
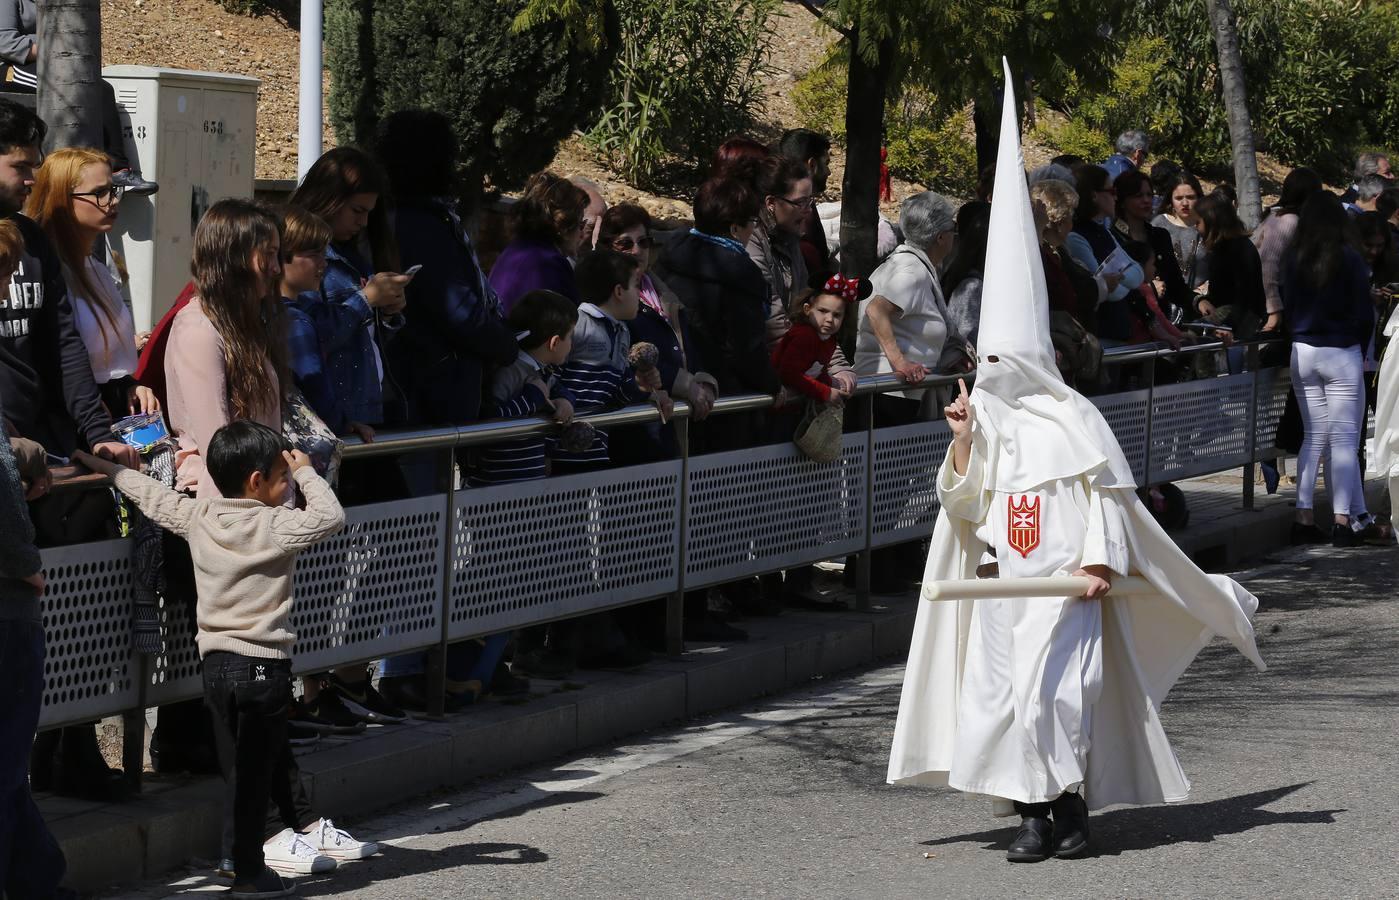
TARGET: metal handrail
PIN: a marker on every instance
(492, 431)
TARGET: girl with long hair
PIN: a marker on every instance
(1179, 194)
(227, 356)
(1326, 298)
(75, 201)
(1234, 293)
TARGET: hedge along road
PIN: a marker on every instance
(1293, 774)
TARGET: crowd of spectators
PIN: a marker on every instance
(363, 306)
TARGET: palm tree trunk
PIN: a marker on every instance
(866, 92)
(70, 72)
(1231, 77)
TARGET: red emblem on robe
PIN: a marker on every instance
(1023, 524)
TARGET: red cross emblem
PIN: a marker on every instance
(1023, 528)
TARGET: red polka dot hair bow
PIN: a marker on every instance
(847, 289)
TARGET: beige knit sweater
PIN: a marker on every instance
(243, 557)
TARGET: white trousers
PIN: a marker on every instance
(1330, 384)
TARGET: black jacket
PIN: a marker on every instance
(45, 374)
(452, 325)
(727, 300)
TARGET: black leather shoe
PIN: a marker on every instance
(1032, 843)
(1070, 813)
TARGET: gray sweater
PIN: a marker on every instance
(19, 20)
(19, 558)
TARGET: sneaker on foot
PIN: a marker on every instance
(329, 707)
(267, 884)
(298, 735)
(337, 843)
(224, 870)
(367, 703)
(301, 715)
(131, 180)
(290, 853)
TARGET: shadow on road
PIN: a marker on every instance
(1145, 828)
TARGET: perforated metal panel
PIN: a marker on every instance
(89, 671)
(1200, 426)
(1273, 385)
(174, 674)
(1126, 415)
(541, 550)
(769, 508)
(906, 461)
(372, 590)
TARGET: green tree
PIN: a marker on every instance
(512, 95)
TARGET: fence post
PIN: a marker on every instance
(862, 573)
(1150, 404)
(436, 674)
(1251, 363)
(133, 726)
(675, 604)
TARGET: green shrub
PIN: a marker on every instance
(689, 73)
(512, 97)
(926, 145)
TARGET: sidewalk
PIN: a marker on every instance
(176, 820)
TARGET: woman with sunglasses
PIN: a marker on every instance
(75, 202)
(1093, 246)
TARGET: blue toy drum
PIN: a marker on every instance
(143, 432)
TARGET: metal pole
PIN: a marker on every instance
(1251, 362)
(436, 674)
(308, 117)
(862, 575)
(675, 604)
(133, 728)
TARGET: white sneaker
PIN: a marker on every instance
(336, 843)
(291, 854)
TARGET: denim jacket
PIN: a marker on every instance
(352, 335)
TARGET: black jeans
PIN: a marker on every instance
(31, 863)
(248, 702)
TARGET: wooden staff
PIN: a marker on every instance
(1054, 586)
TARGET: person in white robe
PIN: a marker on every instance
(1049, 706)
(1385, 460)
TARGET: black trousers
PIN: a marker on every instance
(248, 702)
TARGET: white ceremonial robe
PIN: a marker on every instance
(1385, 460)
(1022, 699)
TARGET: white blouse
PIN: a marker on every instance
(117, 358)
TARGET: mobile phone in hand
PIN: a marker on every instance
(413, 270)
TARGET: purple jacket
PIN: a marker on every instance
(525, 266)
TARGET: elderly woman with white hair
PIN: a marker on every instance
(905, 329)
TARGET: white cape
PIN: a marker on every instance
(1131, 760)
(1385, 460)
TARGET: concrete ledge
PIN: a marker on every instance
(177, 820)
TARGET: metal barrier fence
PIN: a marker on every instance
(415, 574)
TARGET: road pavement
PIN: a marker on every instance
(1293, 771)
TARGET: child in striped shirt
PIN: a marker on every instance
(543, 322)
(597, 372)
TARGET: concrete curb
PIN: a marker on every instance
(177, 820)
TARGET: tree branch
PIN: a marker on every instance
(812, 8)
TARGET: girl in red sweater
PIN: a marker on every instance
(802, 356)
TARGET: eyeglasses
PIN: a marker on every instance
(626, 244)
(102, 198)
(799, 203)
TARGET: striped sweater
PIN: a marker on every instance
(598, 376)
(511, 397)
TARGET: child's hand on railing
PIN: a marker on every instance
(563, 411)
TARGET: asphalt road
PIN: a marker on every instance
(1293, 772)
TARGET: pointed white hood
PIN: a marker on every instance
(1031, 427)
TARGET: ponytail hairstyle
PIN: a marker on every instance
(248, 316)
